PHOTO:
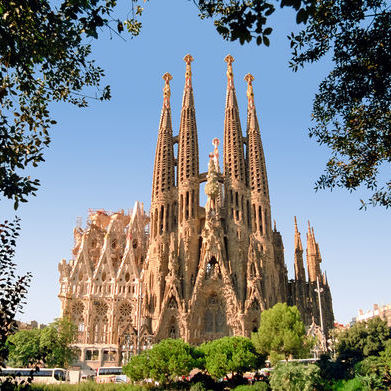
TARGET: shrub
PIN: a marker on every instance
(295, 377)
(257, 386)
(198, 387)
(350, 385)
(261, 386)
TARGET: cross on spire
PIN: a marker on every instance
(250, 92)
(166, 90)
(230, 76)
(188, 59)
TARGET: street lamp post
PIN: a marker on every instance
(319, 291)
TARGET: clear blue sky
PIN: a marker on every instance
(102, 156)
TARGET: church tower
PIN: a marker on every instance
(163, 209)
(236, 192)
(188, 188)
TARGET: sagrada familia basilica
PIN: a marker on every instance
(187, 271)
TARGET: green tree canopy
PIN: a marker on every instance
(50, 346)
(229, 355)
(282, 333)
(13, 288)
(362, 340)
(163, 363)
(351, 111)
(24, 349)
(45, 57)
(55, 343)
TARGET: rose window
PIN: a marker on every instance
(125, 310)
(78, 308)
(101, 309)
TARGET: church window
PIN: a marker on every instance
(174, 214)
(214, 315)
(172, 304)
(181, 209)
(134, 243)
(104, 276)
(212, 300)
(187, 206)
(173, 332)
(114, 244)
(210, 268)
(208, 321)
(127, 277)
(235, 280)
(161, 216)
(255, 324)
(94, 243)
(101, 308)
(167, 217)
(125, 309)
(255, 305)
(115, 261)
(260, 220)
(80, 276)
(77, 309)
(248, 214)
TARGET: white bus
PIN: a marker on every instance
(110, 375)
(43, 375)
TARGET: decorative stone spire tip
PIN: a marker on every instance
(249, 78)
(230, 76)
(188, 60)
(166, 90)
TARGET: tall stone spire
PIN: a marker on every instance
(237, 203)
(188, 185)
(188, 165)
(313, 256)
(299, 264)
(234, 165)
(257, 175)
(164, 169)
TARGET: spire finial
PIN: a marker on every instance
(188, 59)
(250, 93)
(275, 225)
(296, 230)
(230, 76)
(166, 90)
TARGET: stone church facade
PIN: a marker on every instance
(187, 271)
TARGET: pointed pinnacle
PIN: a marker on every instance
(166, 90)
(188, 59)
(296, 230)
(230, 75)
(250, 92)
